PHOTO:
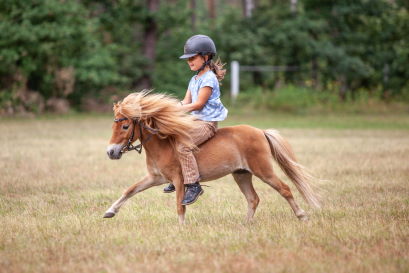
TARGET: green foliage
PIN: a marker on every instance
(289, 99)
(37, 39)
(302, 100)
(341, 48)
(348, 44)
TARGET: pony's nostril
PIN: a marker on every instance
(110, 153)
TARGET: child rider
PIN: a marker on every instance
(202, 99)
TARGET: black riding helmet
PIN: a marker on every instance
(199, 45)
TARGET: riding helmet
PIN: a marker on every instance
(198, 44)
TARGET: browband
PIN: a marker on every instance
(120, 119)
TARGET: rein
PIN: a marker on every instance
(129, 146)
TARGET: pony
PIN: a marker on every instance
(158, 122)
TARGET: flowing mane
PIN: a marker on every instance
(161, 112)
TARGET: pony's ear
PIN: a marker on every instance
(116, 106)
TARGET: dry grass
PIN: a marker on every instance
(56, 182)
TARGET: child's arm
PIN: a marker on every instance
(204, 95)
(188, 98)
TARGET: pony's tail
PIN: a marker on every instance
(283, 154)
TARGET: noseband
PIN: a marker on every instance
(129, 146)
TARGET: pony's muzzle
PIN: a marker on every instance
(114, 151)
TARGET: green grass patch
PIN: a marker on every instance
(263, 119)
(302, 101)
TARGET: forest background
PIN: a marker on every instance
(83, 55)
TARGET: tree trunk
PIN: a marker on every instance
(293, 6)
(385, 89)
(150, 36)
(193, 17)
(211, 6)
(343, 89)
(314, 72)
(248, 6)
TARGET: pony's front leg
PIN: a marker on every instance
(180, 192)
(146, 182)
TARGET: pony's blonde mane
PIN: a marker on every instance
(161, 112)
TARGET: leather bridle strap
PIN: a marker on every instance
(129, 146)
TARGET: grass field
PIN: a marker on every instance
(56, 183)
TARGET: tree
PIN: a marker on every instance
(41, 41)
(248, 6)
(149, 42)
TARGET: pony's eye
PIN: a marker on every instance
(125, 127)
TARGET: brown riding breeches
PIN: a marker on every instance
(186, 157)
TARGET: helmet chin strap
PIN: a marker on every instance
(205, 63)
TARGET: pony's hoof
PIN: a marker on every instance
(109, 215)
(303, 218)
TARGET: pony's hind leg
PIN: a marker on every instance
(243, 179)
(147, 182)
(271, 179)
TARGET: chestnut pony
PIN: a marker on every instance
(243, 151)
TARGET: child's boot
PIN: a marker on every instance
(193, 191)
(170, 188)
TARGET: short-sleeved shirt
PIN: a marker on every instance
(214, 109)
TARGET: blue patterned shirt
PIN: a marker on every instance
(213, 110)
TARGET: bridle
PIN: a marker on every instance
(129, 146)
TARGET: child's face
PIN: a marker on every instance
(195, 62)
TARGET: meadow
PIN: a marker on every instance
(56, 182)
